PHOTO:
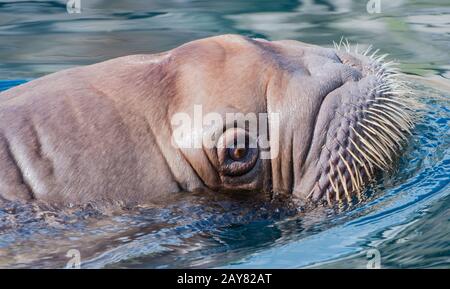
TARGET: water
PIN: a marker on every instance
(406, 218)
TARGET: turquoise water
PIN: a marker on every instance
(406, 219)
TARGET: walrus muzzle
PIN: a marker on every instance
(104, 132)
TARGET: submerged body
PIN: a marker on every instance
(103, 133)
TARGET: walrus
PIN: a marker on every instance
(104, 132)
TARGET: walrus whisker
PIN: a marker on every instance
(357, 48)
(346, 45)
(379, 144)
(402, 124)
(390, 66)
(369, 48)
(381, 119)
(372, 151)
(374, 54)
(376, 159)
(367, 158)
(395, 93)
(350, 172)
(388, 143)
(401, 114)
(386, 130)
(335, 188)
(405, 124)
(383, 56)
(362, 163)
(343, 183)
(359, 178)
(312, 190)
(383, 87)
(340, 43)
(385, 137)
(365, 153)
(392, 100)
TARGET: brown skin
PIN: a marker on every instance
(102, 133)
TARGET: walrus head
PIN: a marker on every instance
(127, 129)
(342, 116)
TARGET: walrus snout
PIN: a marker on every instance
(359, 129)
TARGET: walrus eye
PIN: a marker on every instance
(237, 152)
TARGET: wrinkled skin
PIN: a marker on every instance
(102, 133)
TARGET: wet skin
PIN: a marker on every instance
(103, 133)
